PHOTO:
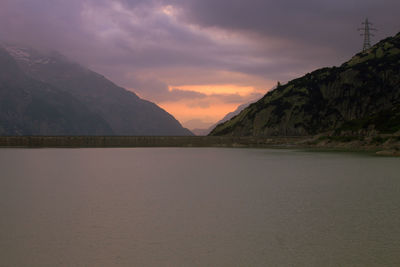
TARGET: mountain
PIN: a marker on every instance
(196, 123)
(30, 107)
(51, 77)
(230, 115)
(360, 97)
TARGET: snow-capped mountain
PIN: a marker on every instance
(95, 105)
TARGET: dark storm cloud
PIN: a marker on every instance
(322, 22)
(67, 25)
(277, 40)
(43, 23)
(306, 34)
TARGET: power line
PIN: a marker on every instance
(367, 34)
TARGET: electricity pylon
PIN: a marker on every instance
(367, 34)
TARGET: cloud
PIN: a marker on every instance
(236, 98)
(151, 46)
(256, 37)
(160, 92)
(309, 21)
(198, 104)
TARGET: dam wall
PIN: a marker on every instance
(143, 141)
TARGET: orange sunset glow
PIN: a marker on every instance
(215, 101)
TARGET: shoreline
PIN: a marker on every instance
(381, 145)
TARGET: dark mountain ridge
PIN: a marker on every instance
(30, 107)
(69, 99)
(360, 97)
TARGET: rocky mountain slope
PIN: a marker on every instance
(66, 98)
(30, 107)
(360, 97)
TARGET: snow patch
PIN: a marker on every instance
(42, 61)
(22, 54)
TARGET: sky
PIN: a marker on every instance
(198, 59)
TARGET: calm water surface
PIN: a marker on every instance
(197, 207)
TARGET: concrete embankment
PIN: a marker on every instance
(144, 141)
(381, 145)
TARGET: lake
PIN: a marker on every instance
(198, 207)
